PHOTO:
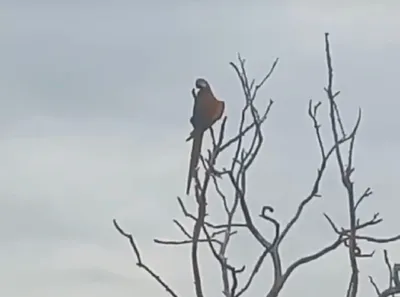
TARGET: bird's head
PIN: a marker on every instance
(201, 83)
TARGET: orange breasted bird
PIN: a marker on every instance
(207, 110)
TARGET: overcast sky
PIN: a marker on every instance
(95, 101)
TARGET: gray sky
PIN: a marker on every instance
(95, 100)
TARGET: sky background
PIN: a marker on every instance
(94, 108)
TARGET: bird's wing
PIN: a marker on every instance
(212, 114)
(218, 111)
(206, 110)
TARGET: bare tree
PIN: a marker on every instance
(247, 144)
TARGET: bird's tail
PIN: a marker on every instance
(194, 156)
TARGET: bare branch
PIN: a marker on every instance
(344, 172)
(201, 200)
(368, 192)
(314, 256)
(378, 240)
(371, 280)
(253, 273)
(393, 275)
(188, 241)
(139, 263)
(313, 113)
(389, 268)
(182, 229)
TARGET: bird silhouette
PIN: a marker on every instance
(207, 110)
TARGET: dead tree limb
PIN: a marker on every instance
(140, 263)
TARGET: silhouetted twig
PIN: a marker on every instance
(140, 262)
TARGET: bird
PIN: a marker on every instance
(207, 110)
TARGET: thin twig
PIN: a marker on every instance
(139, 263)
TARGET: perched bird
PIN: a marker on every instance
(206, 111)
